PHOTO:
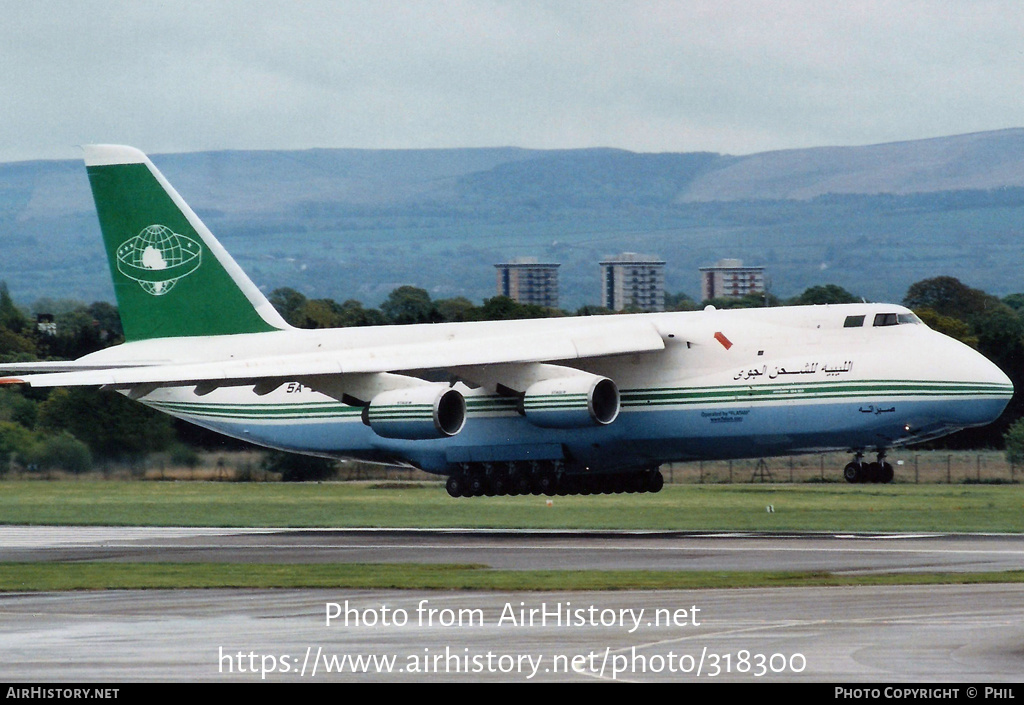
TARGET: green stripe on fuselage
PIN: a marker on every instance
(634, 399)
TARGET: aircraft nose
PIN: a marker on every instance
(966, 389)
(986, 390)
(1000, 378)
(981, 370)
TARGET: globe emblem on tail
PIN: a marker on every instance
(157, 258)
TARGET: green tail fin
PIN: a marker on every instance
(171, 276)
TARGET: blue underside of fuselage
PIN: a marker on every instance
(636, 439)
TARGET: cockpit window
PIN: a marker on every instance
(883, 319)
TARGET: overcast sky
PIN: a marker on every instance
(645, 75)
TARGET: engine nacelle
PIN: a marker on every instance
(417, 413)
(572, 402)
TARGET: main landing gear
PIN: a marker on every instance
(878, 471)
(545, 477)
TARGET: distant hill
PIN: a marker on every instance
(358, 223)
(984, 160)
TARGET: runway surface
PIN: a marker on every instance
(843, 553)
(907, 634)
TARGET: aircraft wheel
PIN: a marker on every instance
(522, 484)
(456, 485)
(885, 473)
(477, 485)
(498, 485)
(538, 484)
(872, 472)
(655, 481)
(547, 484)
(621, 483)
(641, 482)
(566, 486)
(633, 482)
(852, 473)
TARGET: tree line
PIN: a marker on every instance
(75, 428)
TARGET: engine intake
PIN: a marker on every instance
(572, 402)
(417, 413)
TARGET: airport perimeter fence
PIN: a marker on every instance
(920, 467)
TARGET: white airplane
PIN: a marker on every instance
(566, 405)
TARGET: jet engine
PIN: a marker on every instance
(417, 413)
(572, 402)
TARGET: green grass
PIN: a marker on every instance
(827, 507)
(22, 577)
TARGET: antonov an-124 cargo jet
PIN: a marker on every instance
(559, 405)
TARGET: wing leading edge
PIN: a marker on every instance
(610, 338)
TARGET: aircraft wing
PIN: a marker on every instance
(49, 366)
(610, 338)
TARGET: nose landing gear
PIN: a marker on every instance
(878, 471)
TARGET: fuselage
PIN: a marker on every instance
(728, 384)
